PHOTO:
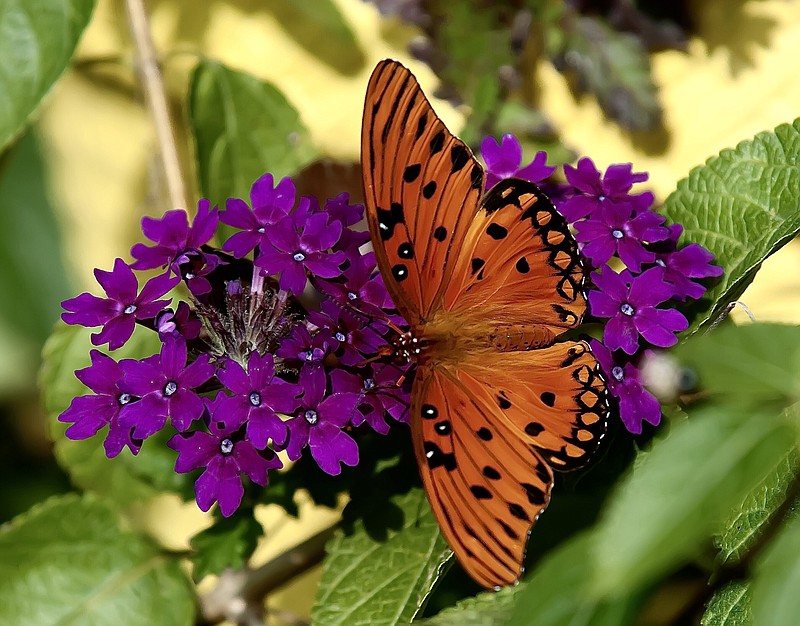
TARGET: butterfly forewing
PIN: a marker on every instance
(519, 264)
(421, 187)
(486, 484)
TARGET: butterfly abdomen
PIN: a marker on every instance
(514, 338)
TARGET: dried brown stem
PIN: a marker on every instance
(155, 94)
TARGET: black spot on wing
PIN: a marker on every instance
(485, 434)
(491, 473)
(443, 427)
(411, 173)
(522, 266)
(496, 232)
(389, 219)
(548, 398)
(458, 158)
(436, 458)
(477, 264)
(534, 428)
(429, 412)
(421, 124)
(437, 143)
(535, 495)
(481, 492)
(405, 251)
(399, 272)
(429, 189)
(440, 233)
(517, 511)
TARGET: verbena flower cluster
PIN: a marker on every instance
(278, 344)
(618, 229)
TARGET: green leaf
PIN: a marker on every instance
(382, 583)
(681, 491)
(37, 40)
(729, 606)
(753, 364)
(486, 609)
(322, 30)
(743, 207)
(776, 579)
(32, 277)
(745, 524)
(68, 561)
(243, 128)
(229, 542)
(615, 67)
(558, 592)
(124, 478)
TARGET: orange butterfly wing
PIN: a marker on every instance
(486, 485)
(518, 266)
(479, 400)
(421, 186)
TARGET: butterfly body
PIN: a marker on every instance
(487, 283)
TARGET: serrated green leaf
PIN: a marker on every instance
(486, 609)
(615, 67)
(322, 30)
(729, 606)
(37, 40)
(680, 493)
(776, 579)
(68, 561)
(124, 478)
(243, 128)
(557, 593)
(744, 526)
(754, 363)
(382, 583)
(229, 543)
(743, 207)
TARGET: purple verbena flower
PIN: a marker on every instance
(90, 413)
(180, 322)
(680, 266)
(632, 310)
(379, 395)
(319, 422)
(614, 230)
(226, 454)
(297, 247)
(636, 404)
(358, 336)
(307, 347)
(119, 311)
(594, 192)
(165, 384)
(504, 159)
(270, 206)
(362, 287)
(340, 210)
(179, 245)
(257, 396)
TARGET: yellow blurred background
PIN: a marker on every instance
(736, 79)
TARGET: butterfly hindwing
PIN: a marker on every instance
(554, 398)
(421, 185)
(486, 484)
(519, 265)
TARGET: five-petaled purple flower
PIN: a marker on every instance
(270, 205)
(117, 313)
(90, 413)
(179, 245)
(226, 454)
(636, 404)
(258, 395)
(613, 230)
(632, 310)
(504, 160)
(681, 266)
(319, 422)
(594, 191)
(379, 395)
(166, 386)
(297, 247)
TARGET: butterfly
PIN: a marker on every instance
(487, 282)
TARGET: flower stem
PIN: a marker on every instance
(239, 595)
(155, 93)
